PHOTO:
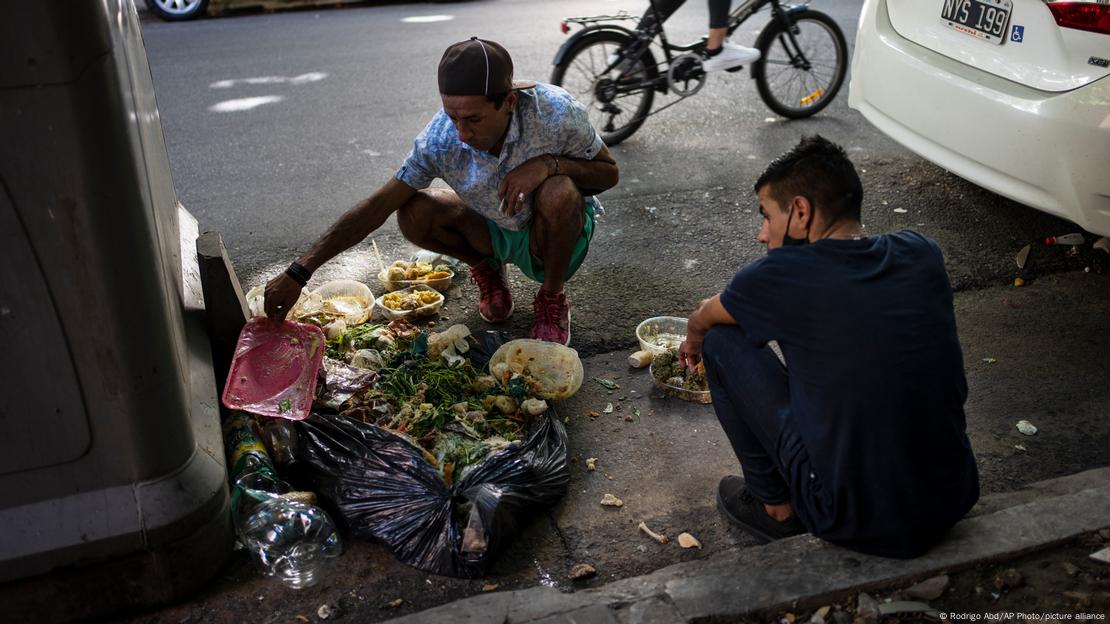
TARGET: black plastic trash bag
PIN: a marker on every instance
(383, 488)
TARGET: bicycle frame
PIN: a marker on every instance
(736, 17)
(629, 65)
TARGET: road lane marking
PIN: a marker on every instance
(427, 19)
(244, 104)
(266, 80)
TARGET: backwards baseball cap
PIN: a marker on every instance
(478, 67)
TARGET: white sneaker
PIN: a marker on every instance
(730, 57)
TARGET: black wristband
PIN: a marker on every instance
(298, 273)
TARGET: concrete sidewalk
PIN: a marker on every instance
(802, 572)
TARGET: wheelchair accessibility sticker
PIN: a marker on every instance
(1017, 34)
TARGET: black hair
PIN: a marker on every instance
(820, 171)
(498, 99)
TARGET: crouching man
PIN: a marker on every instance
(860, 438)
(523, 164)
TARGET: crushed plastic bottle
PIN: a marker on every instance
(288, 538)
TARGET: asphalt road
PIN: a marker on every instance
(346, 90)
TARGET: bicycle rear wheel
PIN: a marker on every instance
(799, 72)
(618, 102)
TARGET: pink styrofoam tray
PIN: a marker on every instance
(273, 372)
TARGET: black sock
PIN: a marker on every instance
(714, 52)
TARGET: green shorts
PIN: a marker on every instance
(511, 247)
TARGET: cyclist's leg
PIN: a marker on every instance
(720, 54)
(718, 13)
(664, 9)
(718, 23)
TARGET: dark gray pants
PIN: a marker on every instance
(718, 11)
(751, 396)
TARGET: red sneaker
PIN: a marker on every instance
(552, 318)
(495, 303)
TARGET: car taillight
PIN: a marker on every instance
(1092, 15)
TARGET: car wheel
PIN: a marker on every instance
(177, 10)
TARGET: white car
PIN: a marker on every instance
(1013, 95)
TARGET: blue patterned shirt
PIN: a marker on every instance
(547, 120)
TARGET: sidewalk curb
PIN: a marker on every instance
(800, 572)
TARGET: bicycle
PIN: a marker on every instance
(804, 58)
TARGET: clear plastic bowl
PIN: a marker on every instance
(696, 396)
(648, 330)
(353, 301)
(256, 301)
(430, 309)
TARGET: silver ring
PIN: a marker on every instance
(520, 196)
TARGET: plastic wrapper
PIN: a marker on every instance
(273, 371)
(555, 371)
(341, 382)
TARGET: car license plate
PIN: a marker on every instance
(982, 19)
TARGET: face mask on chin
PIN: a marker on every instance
(787, 239)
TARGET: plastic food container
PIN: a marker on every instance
(273, 371)
(440, 284)
(306, 304)
(430, 309)
(347, 299)
(556, 370)
(659, 333)
(696, 396)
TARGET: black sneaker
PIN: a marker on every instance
(742, 509)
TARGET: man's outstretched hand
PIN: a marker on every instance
(281, 295)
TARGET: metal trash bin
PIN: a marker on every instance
(111, 460)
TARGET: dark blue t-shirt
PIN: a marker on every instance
(877, 386)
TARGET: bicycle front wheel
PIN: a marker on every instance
(800, 69)
(618, 100)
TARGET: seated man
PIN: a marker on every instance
(522, 161)
(860, 438)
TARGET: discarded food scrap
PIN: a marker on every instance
(662, 539)
(608, 384)
(591, 464)
(639, 359)
(686, 540)
(582, 571)
(667, 369)
(611, 501)
(402, 274)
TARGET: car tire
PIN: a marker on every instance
(177, 10)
